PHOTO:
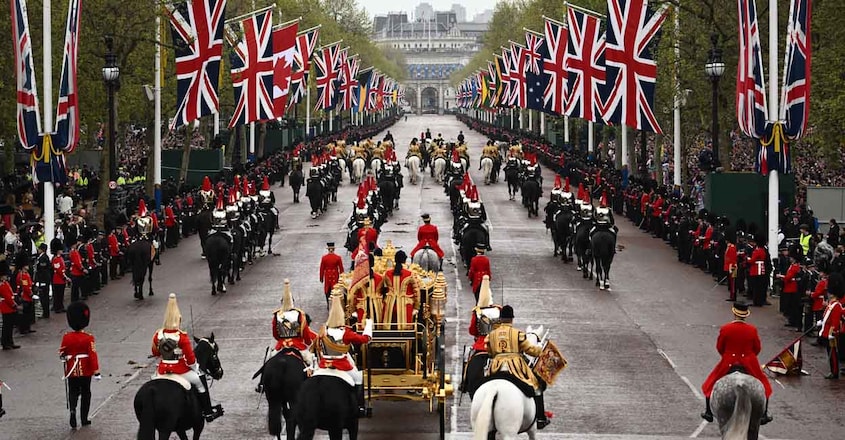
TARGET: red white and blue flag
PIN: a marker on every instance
(585, 66)
(28, 116)
(349, 83)
(751, 109)
(252, 67)
(795, 98)
(328, 72)
(554, 97)
(517, 75)
(374, 91)
(630, 66)
(197, 30)
(306, 42)
(505, 74)
(67, 110)
(536, 79)
(284, 52)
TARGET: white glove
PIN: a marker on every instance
(818, 323)
(98, 376)
(368, 328)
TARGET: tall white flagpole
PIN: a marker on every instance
(251, 138)
(566, 130)
(625, 146)
(157, 117)
(590, 137)
(676, 128)
(307, 110)
(774, 111)
(331, 121)
(49, 208)
(542, 124)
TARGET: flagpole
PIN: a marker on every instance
(307, 108)
(542, 124)
(530, 121)
(774, 111)
(251, 139)
(331, 120)
(624, 145)
(676, 129)
(566, 130)
(590, 137)
(49, 208)
(157, 117)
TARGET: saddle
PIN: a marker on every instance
(332, 372)
(174, 378)
(524, 387)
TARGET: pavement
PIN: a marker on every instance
(637, 353)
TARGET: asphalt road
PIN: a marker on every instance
(637, 354)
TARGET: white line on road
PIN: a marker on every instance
(457, 361)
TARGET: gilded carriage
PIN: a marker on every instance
(402, 361)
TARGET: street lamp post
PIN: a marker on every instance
(111, 73)
(714, 68)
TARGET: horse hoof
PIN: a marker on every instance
(151, 293)
(213, 293)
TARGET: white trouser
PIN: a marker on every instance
(357, 376)
(194, 379)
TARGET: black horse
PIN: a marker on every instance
(282, 377)
(387, 191)
(322, 395)
(314, 192)
(164, 406)
(562, 233)
(268, 222)
(604, 247)
(531, 196)
(296, 180)
(582, 248)
(512, 177)
(474, 373)
(237, 254)
(204, 222)
(472, 235)
(218, 250)
(140, 256)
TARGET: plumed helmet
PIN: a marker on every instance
(485, 295)
(172, 315)
(78, 315)
(287, 297)
(336, 316)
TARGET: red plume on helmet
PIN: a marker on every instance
(455, 156)
(557, 181)
(206, 184)
(142, 208)
(237, 183)
(233, 196)
(587, 199)
(473, 193)
(580, 194)
(155, 220)
(566, 185)
(245, 189)
(603, 202)
(265, 185)
(561, 160)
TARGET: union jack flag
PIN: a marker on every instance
(349, 83)
(554, 97)
(504, 92)
(197, 30)
(306, 42)
(328, 72)
(492, 84)
(29, 118)
(517, 76)
(631, 69)
(533, 46)
(796, 70)
(585, 66)
(284, 48)
(751, 109)
(67, 110)
(252, 68)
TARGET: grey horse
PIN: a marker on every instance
(738, 402)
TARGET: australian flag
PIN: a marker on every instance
(536, 78)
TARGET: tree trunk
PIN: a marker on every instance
(103, 196)
(262, 135)
(186, 152)
(230, 148)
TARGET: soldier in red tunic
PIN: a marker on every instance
(331, 266)
(177, 356)
(478, 267)
(428, 234)
(115, 255)
(79, 357)
(739, 345)
(171, 234)
(831, 323)
(484, 316)
(77, 272)
(730, 264)
(290, 328)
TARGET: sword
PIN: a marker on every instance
(4, 385)
(463, 376)
(261, 379)
(64, 381)
(719, 282)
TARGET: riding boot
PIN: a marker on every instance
(210, 413)
(2, 411)
(542, 419)
(766, 417)
(362, 406)
(707, 414)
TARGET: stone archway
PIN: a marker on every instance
(430, 100)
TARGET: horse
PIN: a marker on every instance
(738, 403)
(357, 170)
(438, 171)
(269, 219)
(487, 167)
(295, 180)
(512, 177)
(376, 166)
(314, 192)
(427, 259)
(387, 191)
(603, 246)
(583, 252)
(473, 234)
(140, 256)
(323, 395)
(236, 255)
(562, 233)
(413, 164)
(217, 254)
(531, 196)
(341, 165)
(281, 378)
(204, 221)
(164, 406)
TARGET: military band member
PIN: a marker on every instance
(507, 347)
(333, 346)
(738, 344)
(177, 356)
(79, 355)
(331, 266)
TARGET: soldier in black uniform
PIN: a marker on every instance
(43, 278)
(101, 251)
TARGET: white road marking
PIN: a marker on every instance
(457, 361)
(700, 428)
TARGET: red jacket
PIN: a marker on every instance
(331, 266)
(58, 270)
(371, 237)
(76, 267)
(24, 282)
(169, 217)
(739, 344)
(789, 283)
(81, 355)
(656, 207)
(428, 233)
(832, 321)
(307, 336)
(7, 299)
(817, 296)
(480, 344)
(757, 262)
(89, 251)
(708, 237)
(181, 365)
(343, 363)
(478, 267)
(644, 200)
(730, 257)
(114, 246)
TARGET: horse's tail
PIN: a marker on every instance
(737, 426)
(145, 412)
(485, 415)
(275, 400)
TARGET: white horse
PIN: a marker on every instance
(427, 259)
(499, 406)
(738, 403)
(375, 166)
(341, 163)
(487, 168)
(465, 163)
(358, 166)
(439, 169)
(413, 164)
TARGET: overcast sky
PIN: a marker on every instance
(381, 7)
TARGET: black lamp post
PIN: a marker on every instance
(111, 73)
(714, 69)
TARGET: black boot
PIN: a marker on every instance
(766, 417)
(362, 406)
(73, 418)
(210, 413)
(2, 411)
(542, 420)
(707, 414)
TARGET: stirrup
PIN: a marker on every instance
(708, 416)
(765, 419)
(216, 411)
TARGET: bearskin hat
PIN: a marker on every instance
(78, 315)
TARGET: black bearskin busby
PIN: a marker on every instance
(78, 315)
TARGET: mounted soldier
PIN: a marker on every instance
(427, 234)
(604, 218)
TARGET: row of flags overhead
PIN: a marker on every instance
(577, 69)
(270, 66)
